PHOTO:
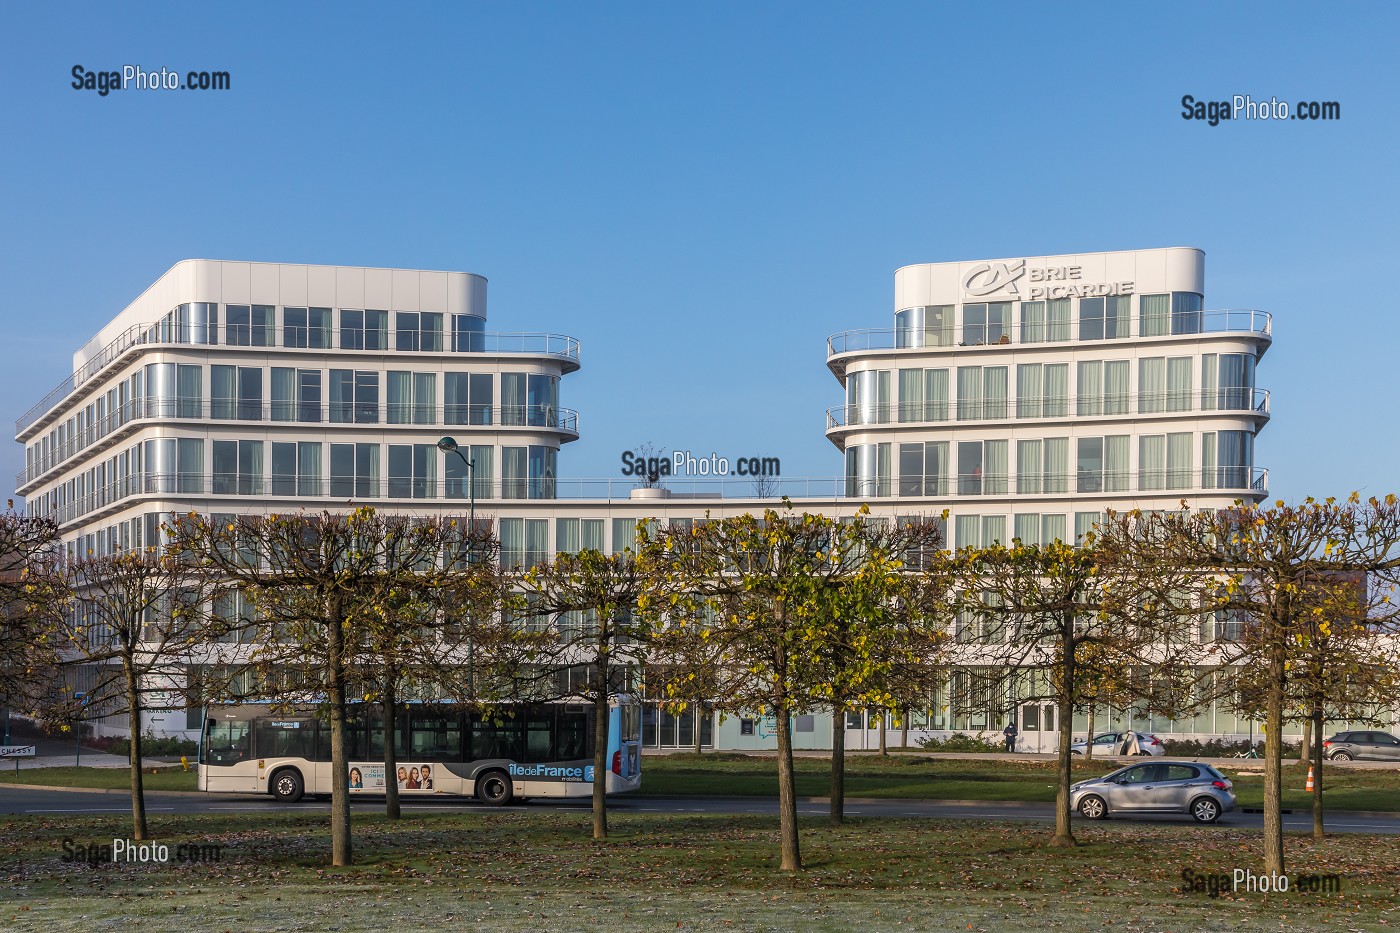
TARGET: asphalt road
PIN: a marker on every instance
(53, 802)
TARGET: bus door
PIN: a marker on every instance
(228, 756)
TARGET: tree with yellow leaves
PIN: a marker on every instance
(1272, 587)
(784, 614)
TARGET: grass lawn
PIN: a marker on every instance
(917, 776)
(538, 869)
(912, 776)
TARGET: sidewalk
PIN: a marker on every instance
(57, 753)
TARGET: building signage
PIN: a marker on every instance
(1008, 280)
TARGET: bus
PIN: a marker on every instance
(497, 754)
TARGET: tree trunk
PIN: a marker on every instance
(1273, 768)
(1317, 724)
(700, 714)
(838, 766)
(884, 739)
(340, 769)
(1089, 739)
(600, 747)
(1303, 753)
(391, 752)
(904, 731)
(1064, 833)
(787, 793)
(138, 791)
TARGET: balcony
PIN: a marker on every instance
(1246, 401)
(142, 337)
(1258, 324)
(123, 421)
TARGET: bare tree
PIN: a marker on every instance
(32, 592)
(133, 622)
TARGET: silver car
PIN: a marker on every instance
(1106, 744)
(1160, 787)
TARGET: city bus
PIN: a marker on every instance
(496, 753)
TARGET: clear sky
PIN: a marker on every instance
(702, 192)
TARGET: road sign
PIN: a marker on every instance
(16, 751)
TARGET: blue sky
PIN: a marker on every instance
(701, 193)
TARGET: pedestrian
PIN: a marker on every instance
(1130, 743)
(1010, 733)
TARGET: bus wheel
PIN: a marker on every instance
(494, 788)
(287, 785)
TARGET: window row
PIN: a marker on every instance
(337, 396)
(1043, 465)
(250, 325)
(197, 466)
(995, 322)
(1044, 390)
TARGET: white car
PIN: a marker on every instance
(1107, 744)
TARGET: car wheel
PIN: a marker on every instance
(494, 788)
(1093, 808)
(1074, 751)
(1342, 756)
(1144, 754)
(1205, 810)
(287, 785)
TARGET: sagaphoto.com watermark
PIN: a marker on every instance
(131, 852)
(1245, 107)
(1243, 881)
(134, 77)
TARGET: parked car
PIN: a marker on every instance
(1192, 787)
(1106, 743)
(1344, 746)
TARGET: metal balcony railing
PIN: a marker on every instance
(1006, 332)
(313, 488)
(163, 334)
(550, 417)
(1242, 399)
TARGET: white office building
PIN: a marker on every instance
(1025, 396)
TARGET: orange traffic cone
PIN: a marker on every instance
(1310, 778)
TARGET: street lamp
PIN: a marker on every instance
(449, 445)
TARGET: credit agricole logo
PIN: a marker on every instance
(1000, 279)
(987, 278)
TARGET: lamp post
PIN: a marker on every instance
(448, 445)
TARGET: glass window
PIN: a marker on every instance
(306, 328)
(413, 471)
(514, 472)
(969, 468)
(1152, 462)
(1155, 315)
(1186, 313)
(1235, 456)
(412, 398)
(543, 470)
(249, 325)
(1090, 388)
(986, 323)
(513, 398)
(418, 330)
(189, 392)
(238, 468)
(1179, 461)
(1089, 466)
(354, 396)
(190, 456)
(456, 473)
(468, 333)
(1179, 383)
(930, 326)
(354, 470)
(542, 398)
(1104, 318)
(364, 330)
(1152, 384)
(1115, 387)
(468, 398)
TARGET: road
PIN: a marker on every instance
(46, 801)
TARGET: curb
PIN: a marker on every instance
(124, 791)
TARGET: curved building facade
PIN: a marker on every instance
(231, 387)
(1030, 395)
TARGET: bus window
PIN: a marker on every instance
(286, 738)
(495, 734)
(227, 742)
(435, 739)
(539, 735)
(574, 732)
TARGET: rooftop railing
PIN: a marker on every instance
(1002, 333)
(162, 334)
